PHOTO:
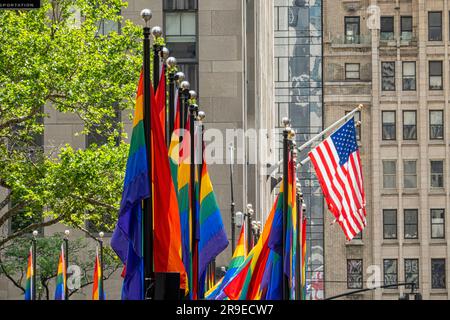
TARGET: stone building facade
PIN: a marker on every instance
(392, 56)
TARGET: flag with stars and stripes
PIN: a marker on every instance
(338, 167)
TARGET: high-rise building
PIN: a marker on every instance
(392, 56)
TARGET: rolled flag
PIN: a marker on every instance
(60, 291)
(98, 292)
(29, 282)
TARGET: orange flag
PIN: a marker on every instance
(167, 229)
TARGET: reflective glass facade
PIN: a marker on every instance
(299, 96)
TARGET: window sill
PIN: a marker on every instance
(389, 192)
(437, 191)
(410, 143)
(438, 291)
(354, 243)
(438, 242)
(411, 242)
(387, 242)
(411, 192)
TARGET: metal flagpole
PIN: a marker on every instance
(298, 224)
(192, 117)
(233, 205)
(324, 132)
(170, 123)
(184, 97)
(100, 242)
(249, 226)
(157, 33)
(147, 223)
(33, 279)
(66, 262)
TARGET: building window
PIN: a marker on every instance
(389, 125)
(390, 224)
(438, 274)
(409, 76)
(411, 227)
(437, 174)
(180, 18)
(388, 76)
(389, 174)
(352, 30)
(409, 125)
(410, 174)
(352, 71)
(387, 28)
(412, 272)
(437, 223)
(436, 125)
(354, 274)
(406, 28)
(435, 71)
(357, 117)
(435, 26)
(390, 270)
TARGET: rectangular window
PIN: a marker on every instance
(438, 280)
(406, 27)
(435, 75)
(389, 174)
(412, 272)
(388, 76)
(410, 174)
(437, 223)
(411, 228)
(437, 174)
(389, 125)
(387, 28)
(390, 270)
(352, 30)
(409, 76)
(180, 18)
(409, 125)
(435, 26)
(390, 224)
(437, 125)
(352, 71)
(354, 274)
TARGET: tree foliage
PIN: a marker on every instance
(14, 263)
(55, 58)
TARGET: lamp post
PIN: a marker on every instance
(193, 109)
(184, 97)
(147, 217)
(157, 33)
(33, 244)
(286, 150)
(66, 262)
(170, 125)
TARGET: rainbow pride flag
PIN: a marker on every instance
(98, 292)
(61, 277)
(29, 281)
(237, 260)
(127, 237)
(303, 267)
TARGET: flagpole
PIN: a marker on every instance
(249, 226)
(66, 262)
(201, 115)
(157, 33)
(170, 123)
(324, 132)
(184, 108)
(147, 218)
(100, 242)
(33, 245)
(193, 109)
(233, 205)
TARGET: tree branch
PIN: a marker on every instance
(29, 228)
(15, 121)
(5, 201)
(10, 278)
(11, 212)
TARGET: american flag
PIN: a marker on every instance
(338, 167)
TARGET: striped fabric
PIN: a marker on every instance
(338, 167)
(61, 277)
(29, 281)
(98, 292)
(127, 237)
(303, 266)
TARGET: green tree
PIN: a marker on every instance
(14, 264)
(50, 59)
